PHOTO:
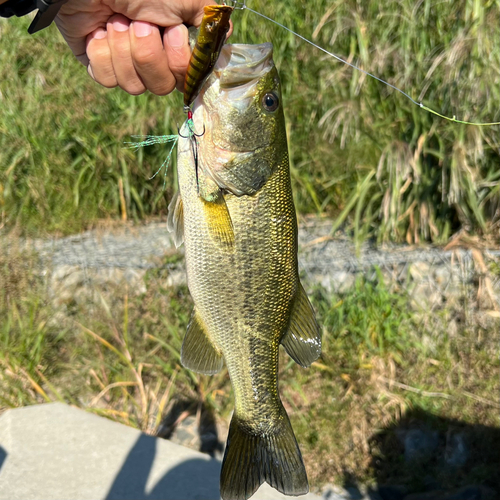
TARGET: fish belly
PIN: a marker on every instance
(244, 293)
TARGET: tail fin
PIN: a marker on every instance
(251, 459)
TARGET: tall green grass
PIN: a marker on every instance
(360, 151)
(365, 153)
(63, 161)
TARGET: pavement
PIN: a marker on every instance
(55, 451)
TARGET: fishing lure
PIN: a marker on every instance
(211, 38)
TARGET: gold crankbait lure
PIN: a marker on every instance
(211, 38)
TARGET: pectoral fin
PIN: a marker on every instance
(175, 219)
(303, 339)
(198, 353)
(219, 222)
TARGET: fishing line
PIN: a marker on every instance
(238, 5)
(243, 6)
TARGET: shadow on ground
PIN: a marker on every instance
(436, 458)
(193, 424)
(193, 479)
(3, 456)
(419, 457)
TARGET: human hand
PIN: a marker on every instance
(121, 43)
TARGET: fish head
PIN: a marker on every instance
(242, 113)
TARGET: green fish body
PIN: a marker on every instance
(236, 215)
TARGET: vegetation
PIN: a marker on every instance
(123, 363)
(360, 150)
(117, 353)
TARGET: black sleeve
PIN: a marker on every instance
(17, 8)
(47, 11)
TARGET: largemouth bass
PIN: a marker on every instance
(236, 215)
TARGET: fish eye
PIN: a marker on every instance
(270, 102)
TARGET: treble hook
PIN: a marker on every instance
(187, 109)
(200, 135)
(194, 134)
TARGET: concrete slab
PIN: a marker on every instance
(54, 451)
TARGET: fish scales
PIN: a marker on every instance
(232, 279)
(240, 235)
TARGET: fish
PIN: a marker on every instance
(238, 223)
(210, 39)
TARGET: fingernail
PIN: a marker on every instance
(142, 29)
(176, 36)
(119, 25)
(99, 33)
(91, 73)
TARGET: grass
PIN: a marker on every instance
(117, 353)
(360, 151)
(63, 161)
(377, 377)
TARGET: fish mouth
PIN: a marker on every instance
(230, 154)
(241, 64)
(227, 96)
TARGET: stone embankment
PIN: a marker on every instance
(122, 256)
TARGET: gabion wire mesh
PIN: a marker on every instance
(430, 275)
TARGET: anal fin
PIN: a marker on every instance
(198, 353)
(302, 341)
(175, 219)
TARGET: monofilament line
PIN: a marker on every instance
(419, 104)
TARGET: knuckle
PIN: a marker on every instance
(145, 56)
(120, 49)
(109, 82)
(98, 51)
(101, 53)
(104, 76)
(163, 89)
(134, 88)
